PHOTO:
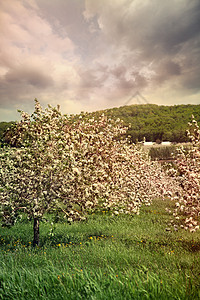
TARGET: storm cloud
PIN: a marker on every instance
(90, 55)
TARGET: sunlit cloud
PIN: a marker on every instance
(90, 55)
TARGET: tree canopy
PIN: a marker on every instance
(3, 127)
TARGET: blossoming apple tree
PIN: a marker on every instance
(73, 163)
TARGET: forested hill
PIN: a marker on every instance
(3, 127)
(154, 122)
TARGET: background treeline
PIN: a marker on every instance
(155, 123)
(3, 128)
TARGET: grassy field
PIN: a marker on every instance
(103, 258)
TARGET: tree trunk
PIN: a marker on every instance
(36, 238)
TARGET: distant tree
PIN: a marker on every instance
(3, 127)
(179, 136)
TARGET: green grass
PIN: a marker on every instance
(104, 258)
(160, 152)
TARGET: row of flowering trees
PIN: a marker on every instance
(75, 164)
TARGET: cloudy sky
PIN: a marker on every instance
(88, 55)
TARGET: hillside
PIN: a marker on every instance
(156, 122)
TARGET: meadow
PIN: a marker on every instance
(104, 257)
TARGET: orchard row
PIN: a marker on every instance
(79, 165)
